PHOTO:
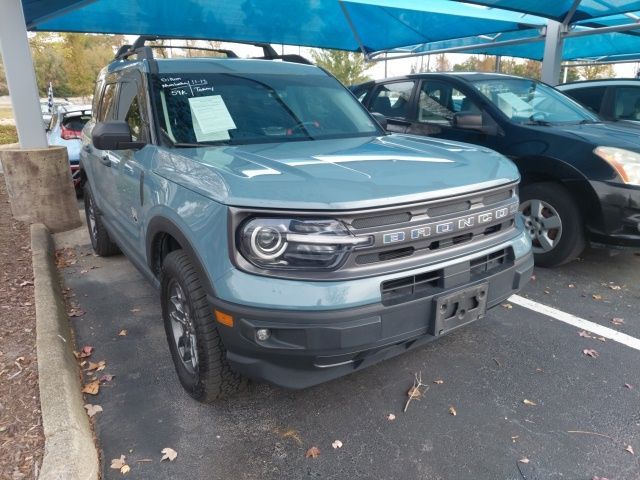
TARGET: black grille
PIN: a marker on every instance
(369, 222)
(403, 289)
(385, 256)
(487, 263)
(412, 287)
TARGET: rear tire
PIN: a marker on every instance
(554, 223)
(100, 240)
(198, 353)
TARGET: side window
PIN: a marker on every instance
(392, 99)
(439, 102)
(627, 103)
(589, 97)
(107, 103)
(129, 110)
(96, 98)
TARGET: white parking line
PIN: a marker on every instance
(581, 323)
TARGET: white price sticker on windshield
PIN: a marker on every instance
(211, 114)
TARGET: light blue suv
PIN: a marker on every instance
(291, 238)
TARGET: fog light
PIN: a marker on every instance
(263, 334)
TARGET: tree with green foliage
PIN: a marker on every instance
(348, 67)
(71, 61)
(595, 72)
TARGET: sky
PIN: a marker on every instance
(393, 68)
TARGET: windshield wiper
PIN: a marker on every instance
(539, 122)
(588, 122)
(201, 144)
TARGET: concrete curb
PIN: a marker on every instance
(70, 452)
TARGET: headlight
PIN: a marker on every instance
(625, 162)
(286, 244)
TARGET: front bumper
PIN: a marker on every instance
(310, 347)
(620, 206)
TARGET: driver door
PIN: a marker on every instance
(129, 165)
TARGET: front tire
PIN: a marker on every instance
(553, 222)
(100, 240)
(198, 353)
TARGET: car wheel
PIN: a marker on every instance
(198, 353)
(553, 221)
(100, 240)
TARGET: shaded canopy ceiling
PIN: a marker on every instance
(347, 25)
(369, 25)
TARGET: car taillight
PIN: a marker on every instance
(68, 134)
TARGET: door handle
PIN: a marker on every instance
(105, 160)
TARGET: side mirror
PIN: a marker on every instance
(482, 122)
(468, 121)
(381, 119)
(114, 136)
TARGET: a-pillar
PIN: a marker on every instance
(38, 178)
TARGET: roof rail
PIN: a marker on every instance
(144, 51)
(289, 57)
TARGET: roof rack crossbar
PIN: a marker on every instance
(144, 51)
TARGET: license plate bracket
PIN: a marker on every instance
(458, 308)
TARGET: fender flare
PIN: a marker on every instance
(163, 225)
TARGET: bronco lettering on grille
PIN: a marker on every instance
(454, 225)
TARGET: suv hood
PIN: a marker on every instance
(621, 135)
(336, 174)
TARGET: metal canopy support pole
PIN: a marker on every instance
(20, 75)
(552, 52)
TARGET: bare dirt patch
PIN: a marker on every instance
(21, 436)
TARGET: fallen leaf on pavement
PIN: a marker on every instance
(571, 285)
(617, 321)
(602, 339)
(514, 438)
(629, 386)
(615, 287)
(106, 378)
(119, 463)
(134, 310)
(98, 367)
(92, 409)
(507, 306)
(168, 454)
(291, 433)
(313, 452)
(595, 296)
(391, 417)
(524, 460)
(125, 469)
(584, 334)
(25, 283)
(453, 411)
(337, 444)
(122, 333)
(438, 382)
(92, 388)
(533, 278)
(529, 403)
(590, 352)
(86, 351)
(629, 449)
(76, 312)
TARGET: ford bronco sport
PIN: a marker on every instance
(291, 238)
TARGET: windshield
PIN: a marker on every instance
(530, 102)
(233, 109)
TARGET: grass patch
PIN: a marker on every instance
(8, 134)
(6, 112)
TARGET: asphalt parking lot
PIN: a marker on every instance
(583, 421)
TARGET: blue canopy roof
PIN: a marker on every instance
(368, 25)
(348, 25)
(559, 9)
